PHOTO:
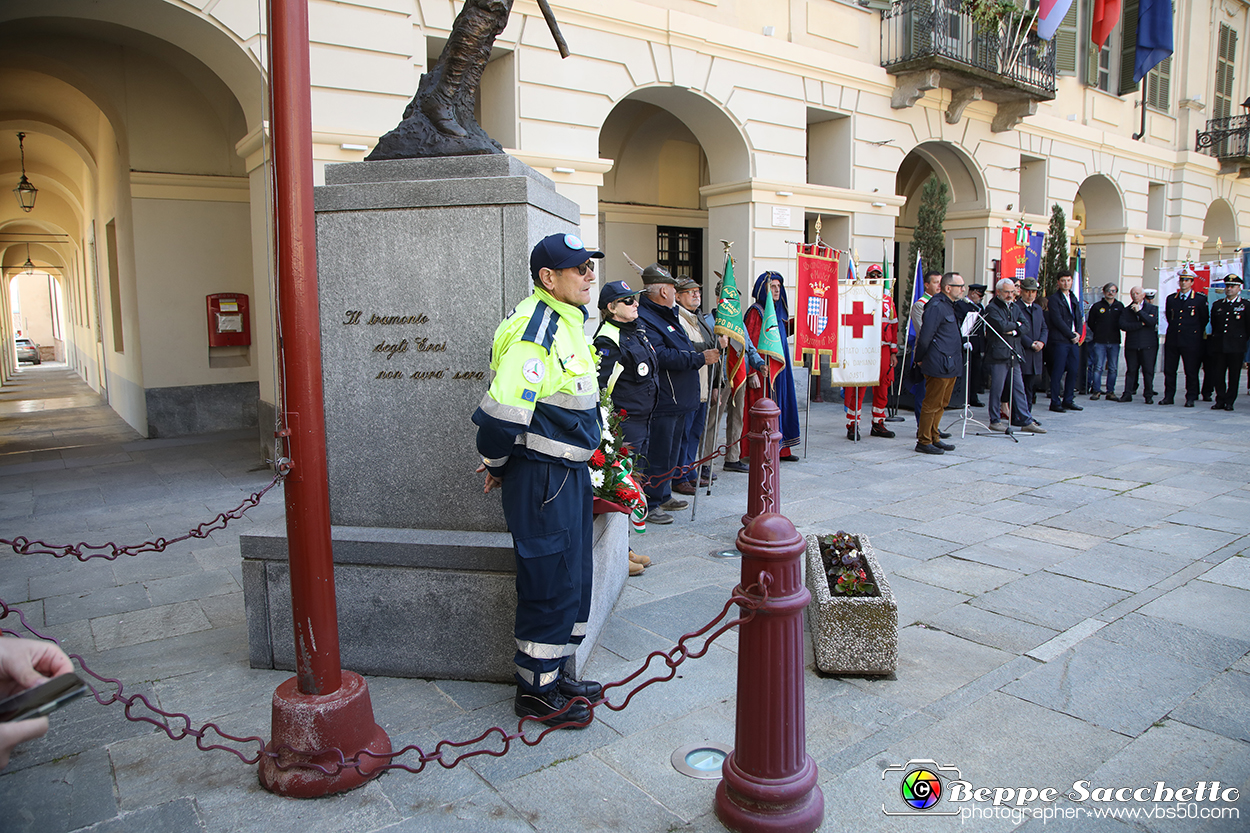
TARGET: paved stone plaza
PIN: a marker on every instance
(1073, 608)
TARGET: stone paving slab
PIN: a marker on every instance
(67, 794)
(1214, 608)
(958, 574)
(1090, 680)
(1049, 600)
(644, 758)
(1180, 756)
(992, 629)
(148, 625)
(932, 664)
(1220, 706)
(949, 699)
(1016, 553)
(1113, 565)
(1235, 572)
(1180, 642)
(584, 794)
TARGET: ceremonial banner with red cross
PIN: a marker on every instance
(859, 336)
(816, 315)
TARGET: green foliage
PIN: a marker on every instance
(1055, 258)
(929, 240)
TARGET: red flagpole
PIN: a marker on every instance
(307, 488)
(322, 707)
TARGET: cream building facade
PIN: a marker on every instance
(674, 125)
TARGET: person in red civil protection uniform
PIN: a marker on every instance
(889, 358)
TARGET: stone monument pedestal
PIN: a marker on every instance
(418, 262)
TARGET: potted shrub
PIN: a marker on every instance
(853, 614)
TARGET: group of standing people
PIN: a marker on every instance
(662, 362)
(1210, 338)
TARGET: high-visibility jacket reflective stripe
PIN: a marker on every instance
(543, 400)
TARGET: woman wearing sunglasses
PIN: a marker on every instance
(627, 366)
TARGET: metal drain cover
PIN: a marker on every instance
(700, 760)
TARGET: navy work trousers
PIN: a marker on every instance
(549, 510)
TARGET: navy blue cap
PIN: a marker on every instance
(559, 251)
(614, 291)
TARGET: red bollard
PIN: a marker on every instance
(764, 485)
(769, 780)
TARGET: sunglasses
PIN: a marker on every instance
(629, 302)
(588, 266)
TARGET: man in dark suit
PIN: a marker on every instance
(939, 352)
(1186, 315)
(1064, 317)
(1140, 323)
(1230, 330)
(1033, 337)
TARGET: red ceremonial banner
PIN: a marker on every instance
(1013, 260)
(816, 314)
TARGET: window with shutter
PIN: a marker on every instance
(1065, 42)
(1159, 85)
(1225, 59)
(1128, 46)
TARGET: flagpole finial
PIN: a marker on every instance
(726, 244)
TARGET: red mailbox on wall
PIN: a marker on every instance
(229, 324)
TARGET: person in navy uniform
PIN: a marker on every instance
(678, 382)
(1064, 317)
(538, 426)
(1186, 316)
(1230, 332)
(1140, 323)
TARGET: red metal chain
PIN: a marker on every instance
(110, 551)
(178, 726)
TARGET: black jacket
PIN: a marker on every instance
(1063, 320)
(1004, 319)
(1141, 327)
(1104, 321)
(1230, 326)
(939, 347)
(1034, 319)
(679, 362)
(1187, 319)
(628, 368)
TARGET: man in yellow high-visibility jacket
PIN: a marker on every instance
(538, 425)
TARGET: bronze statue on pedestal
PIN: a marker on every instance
(439, 121)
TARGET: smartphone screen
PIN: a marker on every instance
(42, 699)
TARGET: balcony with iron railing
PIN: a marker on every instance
(1228, 140)
(936, 43)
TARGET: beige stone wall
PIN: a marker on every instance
(669, 112)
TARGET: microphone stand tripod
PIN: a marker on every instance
(1016, 359)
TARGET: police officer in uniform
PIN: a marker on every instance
(1230, 331)
(1186, 315)
(538, 425)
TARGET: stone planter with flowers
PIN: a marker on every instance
(853, 615)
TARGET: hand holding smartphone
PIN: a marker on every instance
(42, 699)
